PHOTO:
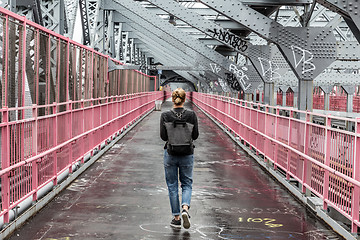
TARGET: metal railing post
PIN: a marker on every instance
(276, 138)
(54, 129)
(289, 144)
(306, 151)
(34, 151)
(5, 162)
(82, 105)
(327, 160)
(355, 198)
(70, 128)
(266, 141)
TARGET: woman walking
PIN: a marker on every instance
(179, 161)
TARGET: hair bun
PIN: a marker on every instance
(178, 96)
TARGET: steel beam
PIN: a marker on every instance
(221, 66)
(160, 67)
(84, 22)
(50, 13)
(33, 5)
(54, 15)
(142, 33)
(315, 83)
(307, 50)
(158, 11)
(166, 57)
(326, 89)
(348, 51)
(211, 41)
(324, 79)
(258, 55)
(71, 10)
(109, 45)
(276, 2)
(349, 9)
(132, 50)
(208, 27)
(118, 40)
(125, 46)
(160, 48)
(350, 91)
(96, 22)
(345, 65)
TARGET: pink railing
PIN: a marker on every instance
(323, 159)
(58, 103)
(37, 150)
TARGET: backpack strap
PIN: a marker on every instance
(178, 115)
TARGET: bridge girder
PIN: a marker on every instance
(199, 52)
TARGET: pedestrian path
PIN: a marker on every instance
(124, 196)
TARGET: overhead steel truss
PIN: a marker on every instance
(215, 62)
(206, 42)
(157, 45)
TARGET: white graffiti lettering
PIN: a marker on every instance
(223, 85)
(240, 75)
(215, 68)
(268, 67)
(306, 59)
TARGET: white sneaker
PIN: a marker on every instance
(186, 218)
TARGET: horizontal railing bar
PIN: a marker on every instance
(302, 154)
(223, 110)
(49, 151)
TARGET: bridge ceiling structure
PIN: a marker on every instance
(218, 45)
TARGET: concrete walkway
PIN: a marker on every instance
(124, 195)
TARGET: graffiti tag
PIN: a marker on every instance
(232, 81)
(236, 79)
(268, 67)
(305, 59)
(240, 75)
(229, 38)
(215, 68)
(224, 87)
(266, 221)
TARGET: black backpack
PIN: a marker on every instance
(179, 133)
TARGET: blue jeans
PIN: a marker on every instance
(178, 167)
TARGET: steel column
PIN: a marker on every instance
(269, 95)
(326, 89)
(350, 91)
